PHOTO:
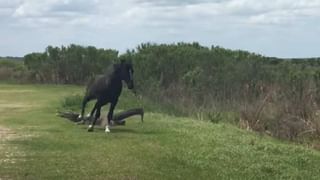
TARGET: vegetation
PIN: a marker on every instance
(72, 64)
(39, 145)
(10, 58)
(12, 70)
(279, 97)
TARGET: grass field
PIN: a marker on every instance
(36, 144)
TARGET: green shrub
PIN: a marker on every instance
(72, 102)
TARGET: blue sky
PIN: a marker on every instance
(281, 28)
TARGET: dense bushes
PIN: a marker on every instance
(72, 102)
(271, 95)
(72, 64)
(13, 71)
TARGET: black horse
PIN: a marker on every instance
(107, 89)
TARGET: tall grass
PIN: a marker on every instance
(285, 112)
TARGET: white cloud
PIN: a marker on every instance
(36, 8)
(135, 21)
(158, 13)
(9, 3)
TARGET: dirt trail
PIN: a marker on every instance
(9, 153)
(7, 150)
(6, 134)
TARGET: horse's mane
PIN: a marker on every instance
(109, 72)
(116, 66)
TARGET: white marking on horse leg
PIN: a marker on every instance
(79, 117)
(90, 126)
(88, 115)
(107, 129)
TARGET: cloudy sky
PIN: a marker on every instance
(281, 28)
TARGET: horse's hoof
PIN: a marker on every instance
(107, 130)
(79, 117)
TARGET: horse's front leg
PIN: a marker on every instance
(97, 107)
(89, 116)
(110, 115)
(81, 119)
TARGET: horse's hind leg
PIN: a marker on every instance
(97, 107)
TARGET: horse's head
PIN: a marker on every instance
(127, 73)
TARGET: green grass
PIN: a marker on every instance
(44, 146)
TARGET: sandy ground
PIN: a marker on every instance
(8, 151)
